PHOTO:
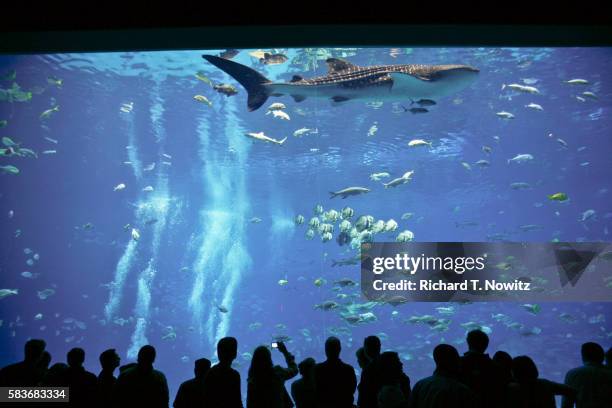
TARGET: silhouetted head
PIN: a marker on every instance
(447, 358)
(477, 341)
(371, 346)
(227, 349)
(306, 367)
(146, 355)
(201, 367)
(261, 364)
(609, 357)
(592, 353)
(33, 350)
(332, 348)
(524, 369)
(109, 360)
(503, 359)
(45, 360)
(55, 375)
(390, 367)
(76, 357)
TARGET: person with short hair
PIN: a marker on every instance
(81, 382)
(369, 383)
(443, 389)
(222, 383)
(191, 393)
(592, 381)
(142, 385)
(503, 365)
(109, 361)
(303, 390)
(335, 381)
(26, 373)
(479, 373)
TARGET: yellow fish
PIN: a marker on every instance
(203, 99)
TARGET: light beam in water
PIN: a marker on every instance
(156, 207)
(222, 256)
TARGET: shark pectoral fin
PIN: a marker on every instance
(298, 98)
(339, 98)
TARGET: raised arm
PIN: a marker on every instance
(292, 368)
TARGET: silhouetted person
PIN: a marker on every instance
(55, 376)
(335, 381)
(443, 389)
(109, 360)
(503, 364)
(609, 358)
(191, 393)
(369, 383)
(592, 381)
(26, 373)
(369, 351)
(303, 390)
(395, 386)
(266, 382)
(529, 391)
(142, 385)
(479, 372)
(82, 383)
(222, 383)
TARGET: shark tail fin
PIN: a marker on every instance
(332, 194)
(250, 79)
(282, 141)
(503, 87)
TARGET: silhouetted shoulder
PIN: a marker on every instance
(441, 392)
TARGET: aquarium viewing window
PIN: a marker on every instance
(285, 189)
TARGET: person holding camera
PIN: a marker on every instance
(266, 382)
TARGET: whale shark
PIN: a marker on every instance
(345, 81)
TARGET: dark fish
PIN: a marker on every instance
(346, 262)
(343, 239)
(424, 102)
(225, 89)
(415, 110)
(466, 224)
(229, 53)
(271, 59)
(151, 221)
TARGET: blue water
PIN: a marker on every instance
(206, 251)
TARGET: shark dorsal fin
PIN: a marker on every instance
(296, 78)
(335, 65)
